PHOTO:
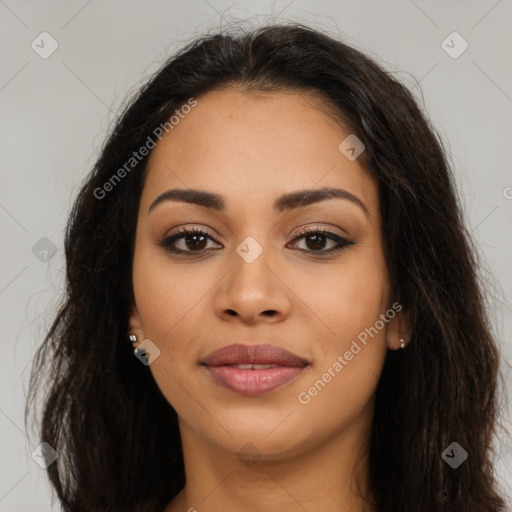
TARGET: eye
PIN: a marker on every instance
(316, 239)
(192, 240)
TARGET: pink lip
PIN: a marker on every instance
(252, 382)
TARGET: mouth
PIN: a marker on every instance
(253, 370)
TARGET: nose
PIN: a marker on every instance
(253, 292)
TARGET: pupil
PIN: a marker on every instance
(318, 245)
(196, 245)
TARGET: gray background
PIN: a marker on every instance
(55, 113)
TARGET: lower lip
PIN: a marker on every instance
(254, 382)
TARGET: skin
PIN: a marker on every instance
(252, 148)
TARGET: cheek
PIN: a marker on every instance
(343, 382)
(348, 299)
(167, 296)
(170, 302)
(353, 354)
(334, 399)
(166, 310)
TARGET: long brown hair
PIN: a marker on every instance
(118, 438)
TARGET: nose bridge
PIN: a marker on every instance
(252, 287)
(252, 274)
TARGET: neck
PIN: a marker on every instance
(325, 477)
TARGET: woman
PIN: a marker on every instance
(326, 348)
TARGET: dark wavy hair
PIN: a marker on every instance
(118, 438)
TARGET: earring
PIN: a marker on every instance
(402, 343)
(133, 338)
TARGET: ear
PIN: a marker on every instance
(135, 325)
(399, 327)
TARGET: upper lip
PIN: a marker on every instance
(255, 354)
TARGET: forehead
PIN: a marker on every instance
(247, 145)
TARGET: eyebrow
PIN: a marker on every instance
(286, 202)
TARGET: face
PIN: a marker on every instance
(265, 266)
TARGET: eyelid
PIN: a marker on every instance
(183, 231)
(319, 228)
(188, 228)
(299, 232)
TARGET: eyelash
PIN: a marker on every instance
(342, 242)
